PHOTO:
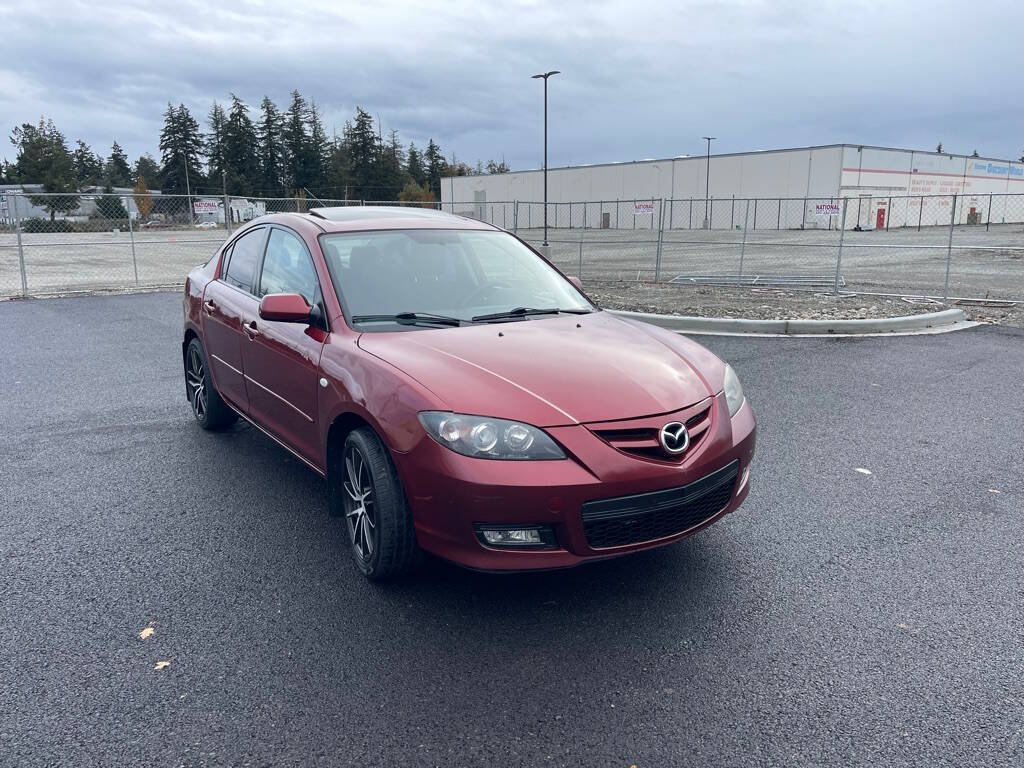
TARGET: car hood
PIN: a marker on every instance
(556, 370)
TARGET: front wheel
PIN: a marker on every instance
(366, 491)
(207, 406)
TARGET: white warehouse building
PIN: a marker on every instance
(785, 189)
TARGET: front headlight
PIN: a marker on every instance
(733, 390)
(486, 438)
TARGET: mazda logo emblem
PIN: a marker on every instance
(674, 438)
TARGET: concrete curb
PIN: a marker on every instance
(947, 317)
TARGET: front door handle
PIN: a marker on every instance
(251, 330)
(209, 306)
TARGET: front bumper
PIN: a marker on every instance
(450, 494)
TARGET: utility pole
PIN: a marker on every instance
(545, 77)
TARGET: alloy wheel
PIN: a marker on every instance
(195, 379)
(359, 504)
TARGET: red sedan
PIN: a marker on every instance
(459, 393)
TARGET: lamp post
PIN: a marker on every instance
(707, 182)
(545, 77)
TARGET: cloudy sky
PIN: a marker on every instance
(640, 79)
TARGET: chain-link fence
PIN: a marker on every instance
(953, 245)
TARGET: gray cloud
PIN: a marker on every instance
(640, 79)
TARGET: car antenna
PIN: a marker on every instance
(306, 190)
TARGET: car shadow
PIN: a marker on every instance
(648, 593)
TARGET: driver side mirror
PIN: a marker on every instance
(578, 283)
(285, 308)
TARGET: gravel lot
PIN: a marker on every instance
(838, 619)
(781, 304)
(991, 263)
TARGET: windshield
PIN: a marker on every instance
(454, 274)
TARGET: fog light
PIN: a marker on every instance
(514, 536)
(498, 536)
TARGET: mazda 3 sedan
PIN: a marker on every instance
(459, 394)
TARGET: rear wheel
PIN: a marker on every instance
(207, 406)
(366, 491)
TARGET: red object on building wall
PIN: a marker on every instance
(880, 218)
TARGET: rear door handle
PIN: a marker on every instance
(251, 330)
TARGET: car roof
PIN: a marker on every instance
(354, 218)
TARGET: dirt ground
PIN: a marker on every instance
(781, 304)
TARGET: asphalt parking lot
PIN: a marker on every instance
(839, 618)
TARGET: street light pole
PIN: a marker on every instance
(545, 77)
(707, 181)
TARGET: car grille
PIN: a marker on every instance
(639, 437)
(648, 516)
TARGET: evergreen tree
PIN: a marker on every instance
(435, 167)
(392, 177)
(339, 167)
(362, 145)
(319, 150)
(414, 165)
(118, 172)
(242, 162)
(271, 151)
(216, 151)
(110, 206)
(295, 140)
(88, 166)
(43, 158)
(181, 146)
(145, 168)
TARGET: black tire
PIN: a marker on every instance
(207, 406)
(374, 510)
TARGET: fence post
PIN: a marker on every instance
(949, 251)
(515, 216)
(21, 249)
(920, 212)
(839, 256)
(732, 213)
(888, 214)
(131, 233)
(661, 238)
(755, 213)
(580, 273)
(743, 245)
(778, 218)
(989, 211)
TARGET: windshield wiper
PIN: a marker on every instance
(527, 311)
(409, 318)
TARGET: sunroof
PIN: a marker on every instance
(364, 212)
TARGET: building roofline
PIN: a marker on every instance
(749, 152)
